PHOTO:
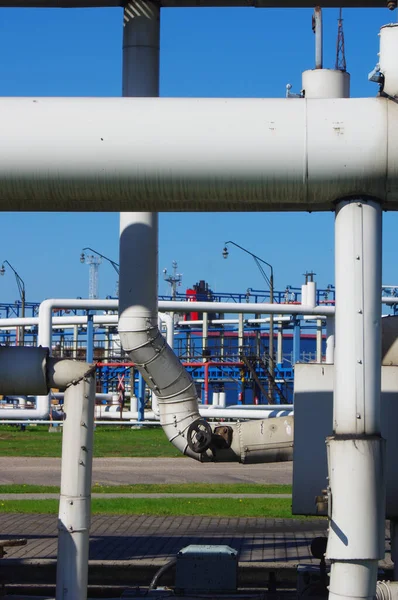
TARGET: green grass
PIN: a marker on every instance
(181, 488)
(246, 507)
(118, 441)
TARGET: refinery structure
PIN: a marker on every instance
(226, 375)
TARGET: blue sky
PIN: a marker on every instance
(204, 53)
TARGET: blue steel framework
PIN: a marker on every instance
(222, 346)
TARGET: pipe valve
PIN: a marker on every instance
(199, 436)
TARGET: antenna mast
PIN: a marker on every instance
(341, 64)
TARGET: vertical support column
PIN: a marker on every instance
(75, 499)
(330, 341)
(75, 340)
(205, 335)
(90, 338)
(106, 344)
(141, 44)
(296, 340)
(319, 340)
(222, 338)
(356, 450)
(279, 351)
(141, 398)
(241, 333)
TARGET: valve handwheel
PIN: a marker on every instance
(199, 436)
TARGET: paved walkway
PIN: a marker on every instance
(126, 471)
(153, 538)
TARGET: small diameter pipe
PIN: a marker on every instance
(318, 30)
(279, 351)
(319, 340)
(311, 293)
(241, 333)
(75, 499)
(304, 294)
(205, 334)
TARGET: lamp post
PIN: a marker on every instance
(21, 289)
(115, 265)
(270, 282)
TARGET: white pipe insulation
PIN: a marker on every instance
(196, 154)
(28, 368)
(74, 515)
(356, 450)
(258, 441)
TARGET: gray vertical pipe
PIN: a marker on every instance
(205, 335)
(141, 44)
(319, 340)
(279, 352)
(141, 49)
(318, 30)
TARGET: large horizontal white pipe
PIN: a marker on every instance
(165, 154)
(246, 308)
(52, 422)
(234, 321)
(192, 3)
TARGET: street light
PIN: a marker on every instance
(270, 282)
(94, 264)
(114, 264)
(21, 289)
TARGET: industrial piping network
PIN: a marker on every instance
(343, 155)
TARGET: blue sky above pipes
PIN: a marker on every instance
(204, 53)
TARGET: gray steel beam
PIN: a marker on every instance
(197, 3)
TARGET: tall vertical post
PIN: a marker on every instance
(317, 27)
(319, 340)
(296, 340)
(75, 499)
(90, 338)
(356, 449)
(330, 326)
(279, 351)
(141, 44)
(205, 335)
(75, 341)
(241, 333)
(271, 338)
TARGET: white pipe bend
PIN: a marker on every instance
(164, 374)
(256, 441)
